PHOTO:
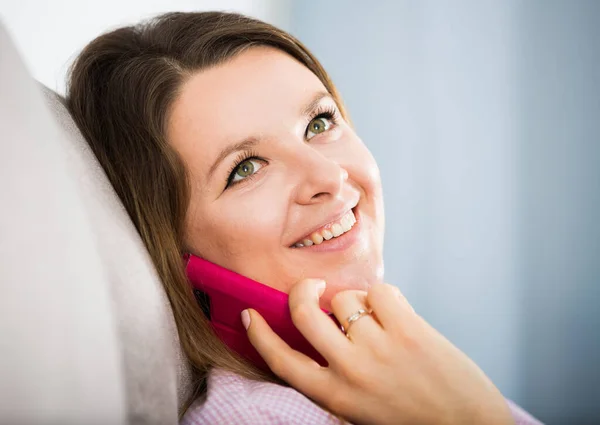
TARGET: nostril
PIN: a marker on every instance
(319, 195)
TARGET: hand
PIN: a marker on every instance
(393, 368)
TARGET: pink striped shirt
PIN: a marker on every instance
(232, 399)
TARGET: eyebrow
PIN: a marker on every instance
(247, 144)
(240, 146)
(312, 105)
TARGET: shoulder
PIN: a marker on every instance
(232, 399)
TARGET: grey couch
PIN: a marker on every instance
(88, 336)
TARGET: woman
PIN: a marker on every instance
(224, 137)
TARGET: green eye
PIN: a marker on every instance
(316, 126)
(245, 169)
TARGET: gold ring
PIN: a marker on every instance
(353, 318)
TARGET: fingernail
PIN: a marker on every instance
(320, 287)
(246, 319)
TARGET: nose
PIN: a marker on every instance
(321, 178)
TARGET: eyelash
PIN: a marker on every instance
(242, 157)
(328, 112)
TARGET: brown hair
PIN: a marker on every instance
(120, 92)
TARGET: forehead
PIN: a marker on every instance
(258, 91)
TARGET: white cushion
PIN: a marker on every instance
(95, 304)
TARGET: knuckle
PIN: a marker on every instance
(347, 369)
(299, 288)
(339, 401)
(412, 343)
(386, 352)
(376, 292)
(338, 299)
(397, 291)
(343, 297)
(277, 365)
(410, 337)
(383, 290)
(301, 313)
(351, 373)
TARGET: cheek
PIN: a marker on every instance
(363, 169)
(234, 229)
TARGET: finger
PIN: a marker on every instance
(294, 367)
(313, 323)
(345, 304)
(389, 305)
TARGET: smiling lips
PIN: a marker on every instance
(329, 231)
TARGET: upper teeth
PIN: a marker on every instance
(331, 230)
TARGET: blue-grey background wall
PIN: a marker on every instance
(485, 119)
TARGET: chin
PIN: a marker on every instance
(349, 279)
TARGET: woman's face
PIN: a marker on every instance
(282, 188)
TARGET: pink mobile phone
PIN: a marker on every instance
(224, 294)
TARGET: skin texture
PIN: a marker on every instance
(299, 183)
